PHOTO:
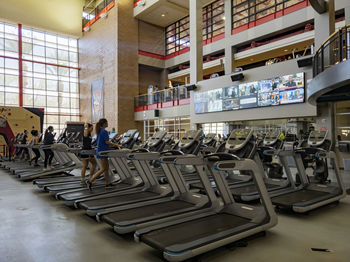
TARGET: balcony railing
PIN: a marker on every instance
(89, 17)
(161, 99)
(333, 51)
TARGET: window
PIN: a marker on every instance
(245, 11)
(178, 34)
(50, 73)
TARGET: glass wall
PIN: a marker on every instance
(245, 11)
(176, 126)
(178, 34)
(216, 128)
(49, 65)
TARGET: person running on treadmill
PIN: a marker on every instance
(48, 140)
(103, 144)
(23, 142)
(35, 141)
(87, 138)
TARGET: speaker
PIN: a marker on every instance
(156, 112)
(237, 77)
(191, 87)
(305, 62)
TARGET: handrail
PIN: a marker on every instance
(329, 37)
(334, 50)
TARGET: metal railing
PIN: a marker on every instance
(90, 15)
(166, 95)
(334, 50)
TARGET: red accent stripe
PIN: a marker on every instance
(20, 67)
(104, 10)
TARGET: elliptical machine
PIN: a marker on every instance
(266, 151)
(313, 156)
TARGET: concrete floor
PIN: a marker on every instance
(37, 228)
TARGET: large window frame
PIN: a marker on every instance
(246, 11)
(40, 69)
(177, 35)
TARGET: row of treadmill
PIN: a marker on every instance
(196, 195)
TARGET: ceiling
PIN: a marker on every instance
(59, 16)
(165, 12)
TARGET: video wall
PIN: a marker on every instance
(288, 89)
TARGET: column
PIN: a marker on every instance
(127, 65)
(228, 30)
(324, 24)
(347, 14)
(196, 41)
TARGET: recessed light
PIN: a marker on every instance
(251, 59)
(163, 15)
(224, 18)
(285, 50)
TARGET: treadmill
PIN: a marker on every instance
(117, 159)
(149, 191)
(74, 183)
(187, 237)
(311, 194)
(248, 192)
(72, 163)
(242, 144)
(125, 219)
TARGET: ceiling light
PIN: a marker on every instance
(224, 18)
(163, 15)
(285, 50)
(251, 59)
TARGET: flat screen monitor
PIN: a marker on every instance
(287, 89)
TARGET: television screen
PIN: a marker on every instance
(230, 98)
(292, 96)
(281, 90)
(215, 100)
(200, 102)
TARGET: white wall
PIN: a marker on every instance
(282, 111)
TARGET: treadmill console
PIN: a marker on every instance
(156, 138)
(209, 138)
(238, 139)
(271, 138)
(189, 138)
(317, 138)
(168, 137)
(128, 136)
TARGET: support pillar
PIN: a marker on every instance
(196, 41)
(228, 47)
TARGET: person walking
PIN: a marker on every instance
(103, 144)
(87, 138)
(35, 142)
(49, 139)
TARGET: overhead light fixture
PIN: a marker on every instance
(87, 29)
(285, 50)
(251, 59)
(224, 18)
(163, 15)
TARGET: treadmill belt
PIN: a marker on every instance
(145, 211)
(96, 190)
(91, 204)
(300, 196)
(193, 230)
(252, 189)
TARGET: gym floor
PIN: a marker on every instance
(35, 227)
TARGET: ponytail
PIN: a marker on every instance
(48, 129)
(99, 124)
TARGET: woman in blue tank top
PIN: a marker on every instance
(103, 144)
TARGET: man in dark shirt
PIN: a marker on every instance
(290, 82)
